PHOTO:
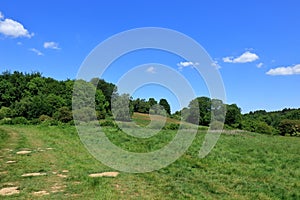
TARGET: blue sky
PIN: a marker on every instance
(255, 43)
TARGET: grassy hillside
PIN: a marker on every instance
(241, 166)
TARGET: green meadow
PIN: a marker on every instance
(242, 165)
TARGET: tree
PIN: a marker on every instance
(152, 102)
(108, 89)
(54, 102)
(35, 86)
(291, 127)
(204, 110)
(218, 110)
(233, 116)
(164, 103)
(101, 104)
(121, 107)
(192, 114)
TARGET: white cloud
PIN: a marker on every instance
(227, 59)
(187, 64)
(244, 58)
(182, 65)
(51, 45)
(19, 43)
(290, 70)
(215, 64)
(259, 65)
(36, 51)
(151, 70)
(9, 27)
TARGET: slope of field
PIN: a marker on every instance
(241, 166)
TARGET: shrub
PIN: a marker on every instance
(216, 125)
(6, 121)
(35, 121)
(50, 122)
(5, 112)
(171, 126)
(44, 118)
(108, 123)
(258, 127)
(263, 127)
(291, 127)
(156, 125)
(85, 114)
(19, 120)
(63, 114)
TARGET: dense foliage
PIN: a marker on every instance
(31, 98)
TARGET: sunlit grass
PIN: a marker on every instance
(241, 166)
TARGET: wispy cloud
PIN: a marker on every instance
(151, 70)
(215, 64)
(182, 65)
(259, 65)
(290, 70)
(39, 53)
(12, 28)
(244, 58)
(51, 45)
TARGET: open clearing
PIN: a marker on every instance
(241, 166)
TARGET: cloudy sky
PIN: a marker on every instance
(254, 44)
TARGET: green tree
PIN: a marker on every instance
(204, 110)
(291, 127)
(36, 86)
(233, 116)
(121, 108)
(101, 104)
(164, 103)
(152, 102)
(192, 114)
(218, 110)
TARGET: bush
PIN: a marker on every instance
(263, 127)
(50, 122)
(5, 112)
(19, 120)
(44, 118)
(258, 127)
(6, 121)
(216, 125)
(156, 125)
(85, 114)
(108, 123)
(291, 127)
(171, 126)
(63, 114)
(35, 121)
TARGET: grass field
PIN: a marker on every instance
(241, 166)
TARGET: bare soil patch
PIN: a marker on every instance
(9, 191)
(105, 174)
(34, 174)
(25, 152)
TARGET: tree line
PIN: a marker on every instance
(30, 97)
